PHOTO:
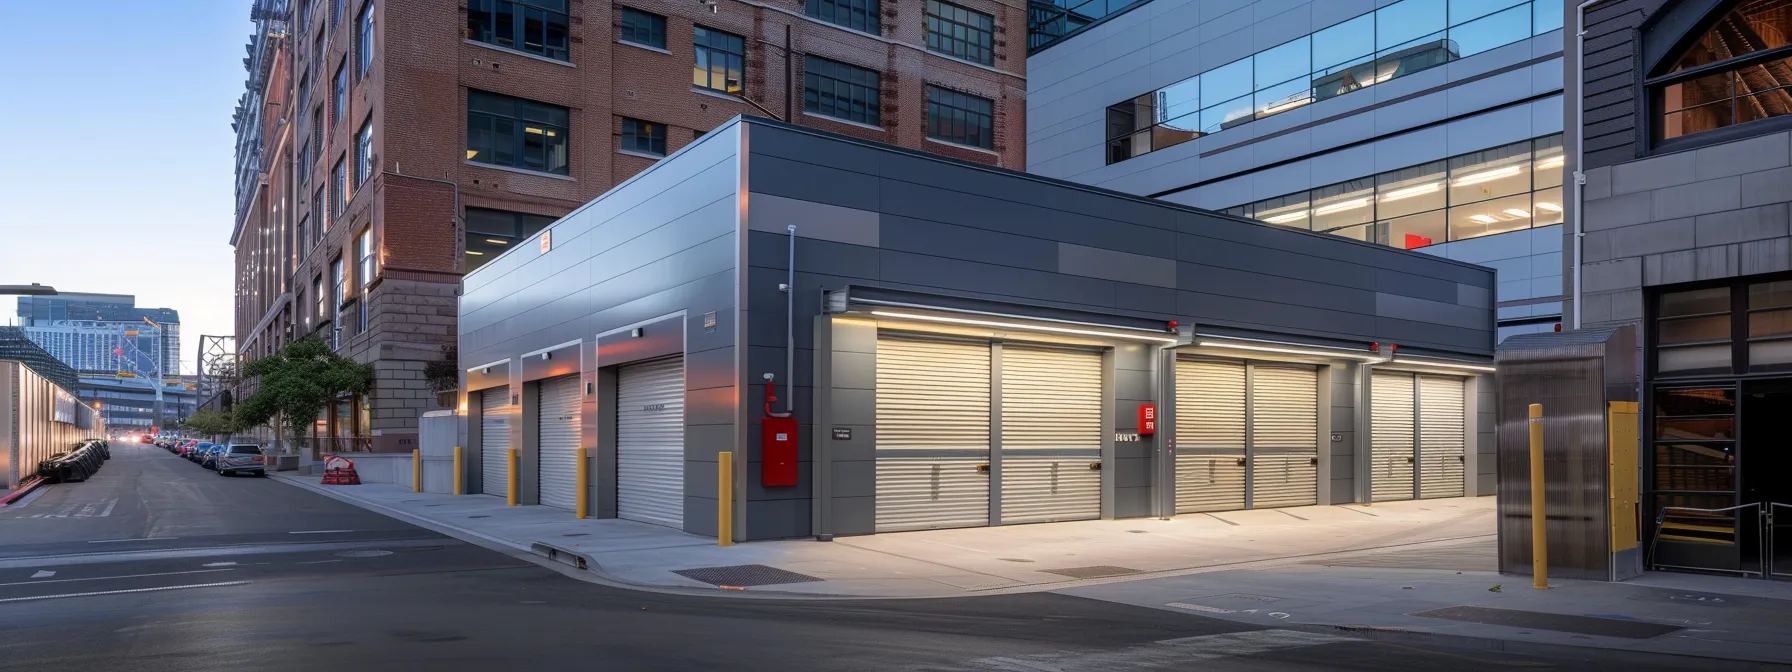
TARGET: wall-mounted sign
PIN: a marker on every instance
(1147, 419)
(842, 433)
(547, 241)
(1124, 438)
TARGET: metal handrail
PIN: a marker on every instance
(1662, 515)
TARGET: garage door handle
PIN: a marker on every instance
(1461, 458)
(1241, 461)
(983, 468)
(1313, 461)
(1409, 459)
(1094, 466)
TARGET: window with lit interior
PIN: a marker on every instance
(1739, 70)
(491, 232)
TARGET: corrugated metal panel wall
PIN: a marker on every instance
(494, 440)
(1442, 436)
(558, 422)
(1392, 436)
(932, 434)
(1284, 436)
(650, 442)
(1210, 436)
(1051, 434)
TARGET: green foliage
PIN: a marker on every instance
(444, 373)
(298, 383)
(211, 423)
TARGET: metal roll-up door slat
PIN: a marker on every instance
(1442, 436)
(1051, 432)
(494, 441)
(1284, 436)
(933, 400)
(558, 426)
(650, 442)
(1210, 436)
(1392, 436)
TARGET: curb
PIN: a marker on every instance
(1396, 635)
(22, 491)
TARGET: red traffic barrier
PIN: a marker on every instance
(339, 470)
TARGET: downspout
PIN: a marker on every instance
(790, 325)
(1580, 143)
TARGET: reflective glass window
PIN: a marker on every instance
(1410, 190)
(1179, 99)
(1290, 210)
(1488, 32)
(1290, 60)
(1501, 171)
(1546, 15)
(1489, 217)
(1226, 82)
(1415, 231)
(1226, 115)
(1546, 207)
(1546, 162)
(1283, 97)
(1347, 204)
(1344, 43)
(1463, 11)
(1408, 20)
(1754, 25)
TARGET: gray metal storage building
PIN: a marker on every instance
(971, 346)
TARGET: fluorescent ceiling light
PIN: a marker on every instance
(1447, 365)
(1515, 212)
(476, 253)
(1549, 207)
(1409, 192)
(495, 241)
(1288, 351)
(1551, 162)
(1285, 218)
(1484, 219)
(1488, 176)
(472, 153)
(1016, 325)
(1341, 206)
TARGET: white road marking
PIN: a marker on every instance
(43, 574)
(217, 564)
(320, 532)
(317, 562)
(121, 592)
(115, 541)
(109, 506)
(1197, 607)
(121, 576)
(1171, 654)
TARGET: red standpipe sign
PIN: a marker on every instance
(1147, 419)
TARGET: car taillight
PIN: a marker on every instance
(257, 458)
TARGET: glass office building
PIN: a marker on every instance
(1428, 125)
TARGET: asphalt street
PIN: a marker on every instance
(156, 564)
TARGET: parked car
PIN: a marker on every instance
(240, 458)
(210, 459)
(197, 452)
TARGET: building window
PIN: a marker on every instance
(960, 118)
(364, 40)
(338, 188)
(1723, 78)
(1507, 188)
(534, 26)
(318, 213)
(641, 28)
(364, 153)
(859, 15)
(643, 137)
(341, 95)
(317, 131)
(835, 89)
(720, 61)
(961, 32)
(302, 240)
(491, 232)
(507, 131)
(338, 294)
(364, 271)
(317, 289)
(304, 166)
(335, 13)
(1394, 41)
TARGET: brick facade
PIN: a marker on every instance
(415, 97)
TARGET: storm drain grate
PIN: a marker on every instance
(1536, 620)
(743, 576)
(1093, 572)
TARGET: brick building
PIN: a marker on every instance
(386, 147)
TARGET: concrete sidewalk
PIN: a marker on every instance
(938, 563)
(1403, 595)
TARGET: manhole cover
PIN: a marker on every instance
(368, 553)
(1094, 572)
(743, 575)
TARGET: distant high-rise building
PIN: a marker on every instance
(103, 333)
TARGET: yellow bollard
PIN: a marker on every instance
(416, 470)
(583, 481)
(725, 498)
(1539, 519)
(510, 475)
(458, 478)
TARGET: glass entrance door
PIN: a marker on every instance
(1692, 480)
(1766, 472)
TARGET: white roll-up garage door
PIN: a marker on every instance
(932, 434)
(1210, 436)
(494, 441)
(1442, 436)
(1392, 436)
(650, 442)
(1051, 434)
(558, 422)
(1284, 436)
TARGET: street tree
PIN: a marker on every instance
(298, 383)
(210, 423)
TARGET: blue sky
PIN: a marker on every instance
(122, 155)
